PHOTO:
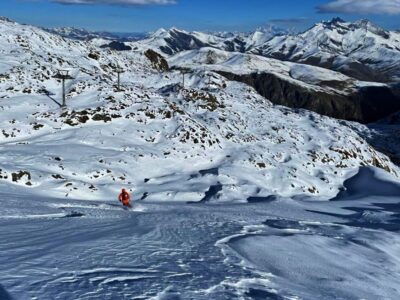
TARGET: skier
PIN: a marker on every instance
(124, 198)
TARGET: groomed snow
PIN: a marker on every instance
(279, 248)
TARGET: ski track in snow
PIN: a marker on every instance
(277, 249)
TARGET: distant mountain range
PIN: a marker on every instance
(360, 49)
(175, 40)
(85, 35)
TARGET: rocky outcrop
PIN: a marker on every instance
(367, 104)
(118, 46)
(158, 62)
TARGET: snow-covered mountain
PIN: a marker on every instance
(214, 139)
(360, 49)
(175, 40)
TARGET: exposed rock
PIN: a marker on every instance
(18, 176)
(118, 46)
(94, 55)
(366, 105)
(158, 62)
(101, 117)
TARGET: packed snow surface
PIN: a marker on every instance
(276, 248)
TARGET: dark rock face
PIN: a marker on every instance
(237, 45)
(117, 46)
(94, 55)
(180, 41)
(159, 63)
(366, 105)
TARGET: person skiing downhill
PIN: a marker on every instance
(124, 198)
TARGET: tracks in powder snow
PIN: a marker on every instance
(114, 253)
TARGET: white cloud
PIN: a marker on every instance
(387, 7)
(117, 2)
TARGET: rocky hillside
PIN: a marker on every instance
(298, 85)
(213, 139)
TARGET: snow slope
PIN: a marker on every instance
(275, 249)
(213, 140)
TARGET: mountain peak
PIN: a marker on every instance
(371, 27)
(175, 29)
(337, 20)
(159, 32)
(365, 23)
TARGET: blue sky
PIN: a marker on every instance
(242, 15)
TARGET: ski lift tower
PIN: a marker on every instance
(119, 71)
(183, 71)
(63, 75)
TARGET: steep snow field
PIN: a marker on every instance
(230, 192)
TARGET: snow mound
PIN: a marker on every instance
(368, 183)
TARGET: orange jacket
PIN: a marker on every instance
(124, 197)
